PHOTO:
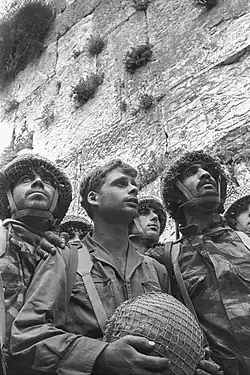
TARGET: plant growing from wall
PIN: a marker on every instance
(10, 104)
(123, 106)
(208, 4)
(146, 101)
(96, 45)
(141, 4)
(86, 88)
(137, 57)
(22, 34)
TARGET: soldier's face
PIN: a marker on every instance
(199, 181)
(243, 220)
(149, 222)
(117, 198)
(33, 190)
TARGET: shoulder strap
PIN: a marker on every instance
(84, 268)
(177, 272)
(3, 233)
(72, 264)
(244, 238)
(2, 306)
(167, 258)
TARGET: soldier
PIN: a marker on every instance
(34, 195)
(74, 228)
(60, 335)
(147, 227)
(237, 209)
(211, 258)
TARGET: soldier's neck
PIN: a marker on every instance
(201, 219)
(114, 237)
(36, 223)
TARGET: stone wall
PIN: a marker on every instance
(198, 80)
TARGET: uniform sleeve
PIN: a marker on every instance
(38, 334)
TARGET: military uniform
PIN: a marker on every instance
(53, 335)
(215, 267)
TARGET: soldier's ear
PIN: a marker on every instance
(92, 198)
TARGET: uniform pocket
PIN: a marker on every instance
(103, 287)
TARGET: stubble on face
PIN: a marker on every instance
(117, 198)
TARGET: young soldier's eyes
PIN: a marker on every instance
(26, 178)
(47, 180)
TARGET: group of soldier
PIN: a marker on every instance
(63, 277)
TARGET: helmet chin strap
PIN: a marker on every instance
(203, 204)
(18, 214)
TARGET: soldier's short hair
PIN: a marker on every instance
(94, 180)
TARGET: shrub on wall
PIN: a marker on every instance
(22, 34)
(137, 57)
(141, 4)
(96, 45)
(146, 101)
(11, 105)
(85, 89)
(208, 4)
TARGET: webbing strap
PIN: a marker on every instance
(2, 305)
(171, 255)
(244, 238)
(84, 268)
(174, 257)
(2, 313)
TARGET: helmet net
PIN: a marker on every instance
(171, 195)
(149, 201)
(236, 197)
(25, 163)
(160, 318)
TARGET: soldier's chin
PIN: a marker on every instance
(39, 205)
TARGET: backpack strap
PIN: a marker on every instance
(171, 255)
(71, 268)
(177, 272)
(244, 238)
(3, 369)
(85, 265)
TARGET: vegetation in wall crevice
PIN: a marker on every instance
(96, 45)
(85, 89)
(146, 101)
(137, 57)
(141, 4)
(22, 34)
(208, 4)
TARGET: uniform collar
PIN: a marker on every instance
(215, 227)
(134, 259)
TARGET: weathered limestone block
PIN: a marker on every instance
(242, 172)
(35, 75)
(188, 40)
(203, 109)
(112, 14)
(74, 41)
(36, 110)
(73, 13)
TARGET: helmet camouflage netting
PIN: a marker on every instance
(149, 201)
(171, 195)
(161, 318)
(75, 222)
(237, 197)
(11, 172)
